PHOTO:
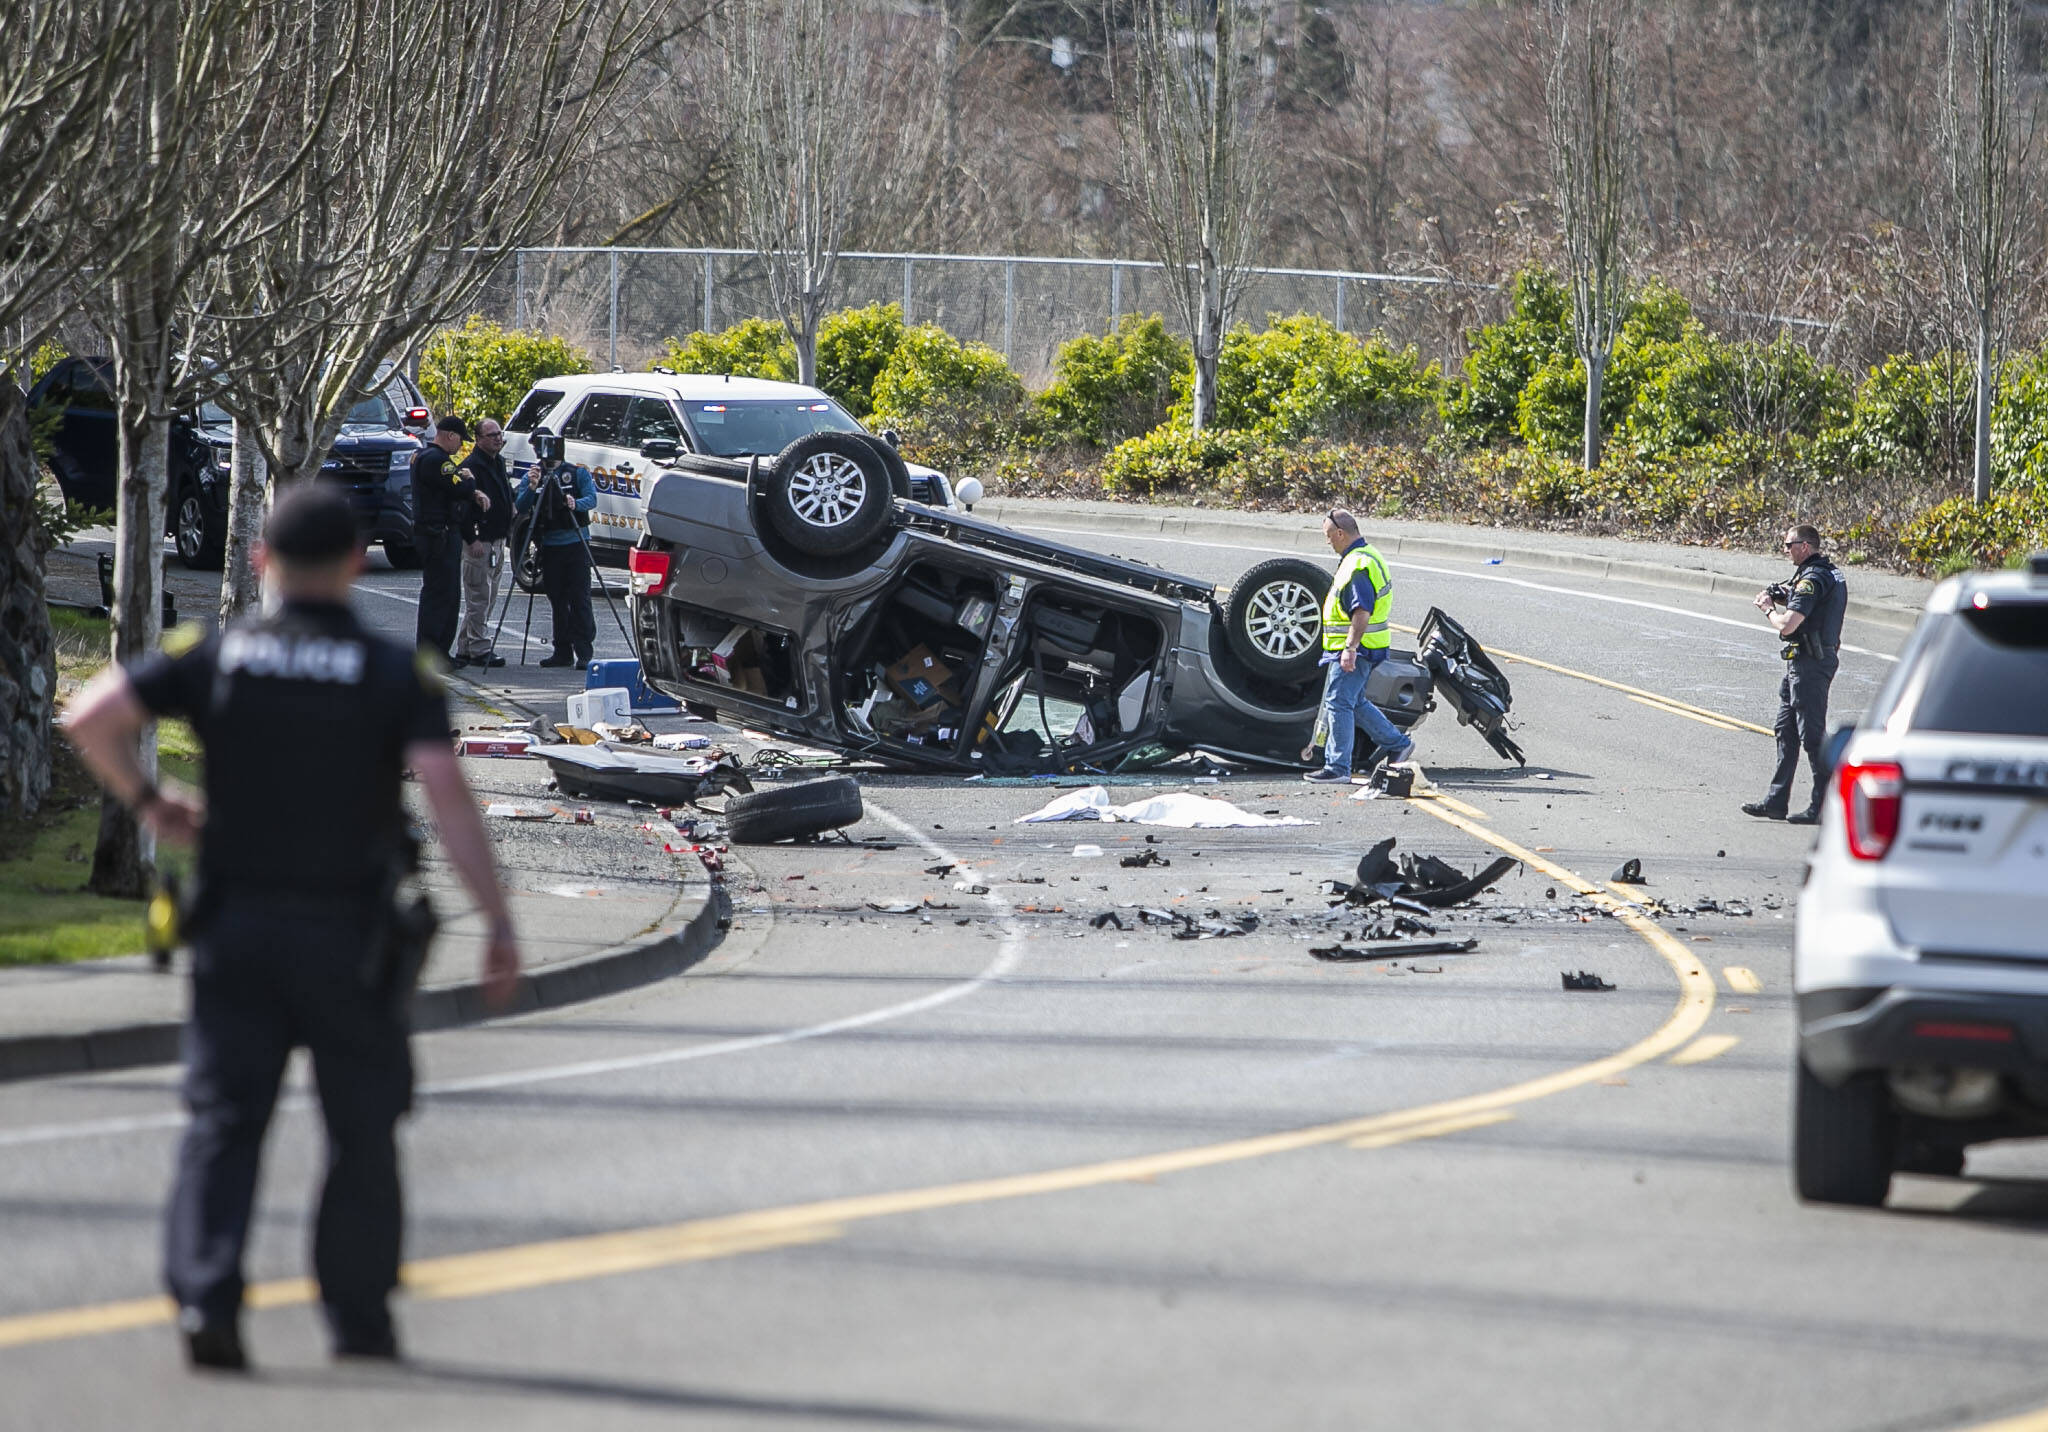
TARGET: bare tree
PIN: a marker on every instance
(57, 67)
(1588, 105)
(428, 165)
(1192, 117)
(796, 98)
(1987, 216)
(196, 87)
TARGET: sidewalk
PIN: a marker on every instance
(599, 908)
(1883, 597)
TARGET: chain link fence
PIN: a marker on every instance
(620, 304)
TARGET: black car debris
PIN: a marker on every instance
(809, 596)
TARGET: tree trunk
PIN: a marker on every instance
(28, 665)
(1596, 377)
(125, 857)
(248, 502)
(807, 353)
(1981, 456)
(947, 200)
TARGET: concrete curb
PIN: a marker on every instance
(1230, 528)
(607, 972)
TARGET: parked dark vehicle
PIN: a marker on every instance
(372, 455)
(924, 637)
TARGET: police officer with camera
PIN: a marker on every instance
(1807, 613)
(297, 932)
(561, 496)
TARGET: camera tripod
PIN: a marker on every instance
(526, 533)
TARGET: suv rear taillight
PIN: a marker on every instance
(1872, 793)
(647, 571)
(417, 417)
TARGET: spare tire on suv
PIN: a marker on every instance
(1273, 618)
(829, 494)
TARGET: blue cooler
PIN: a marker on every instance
(646, 700)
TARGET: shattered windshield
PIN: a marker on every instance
(376, 412)
(736, 429)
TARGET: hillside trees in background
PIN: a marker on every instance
(1589, 95)
(1988, 217)
(1195, 159)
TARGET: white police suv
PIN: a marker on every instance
(626, 427)
(1921, 967)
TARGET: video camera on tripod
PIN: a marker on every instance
(557, 504)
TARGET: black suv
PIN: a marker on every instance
(372, 456)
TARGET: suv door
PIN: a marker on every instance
(597, 436)
(86, 453)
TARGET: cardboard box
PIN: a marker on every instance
(922, 679)
(606, 704)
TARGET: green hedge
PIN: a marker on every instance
(481, 370)
(1111, 387)
(751, 348)
(1303, 377)
(854, 346)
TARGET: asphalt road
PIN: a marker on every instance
(981, 1165)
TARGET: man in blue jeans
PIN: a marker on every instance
(1356, 638)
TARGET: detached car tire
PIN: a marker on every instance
(786, 812)
(1844, 1140)
(403, 556)
(1273, 618)
(828, 494)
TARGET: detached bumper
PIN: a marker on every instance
(1848, 1031)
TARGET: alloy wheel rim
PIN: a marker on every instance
(191, 527)
(1283, 620)
(828, 490)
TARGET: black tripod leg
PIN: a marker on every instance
(605, 587)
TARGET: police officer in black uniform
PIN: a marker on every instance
(1807, 613)
(444, 501)
(308, 722)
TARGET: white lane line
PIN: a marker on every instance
(1006, 960)
(1752, 627)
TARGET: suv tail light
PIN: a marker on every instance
(417, 417)
(1872, 793)
(647, 571)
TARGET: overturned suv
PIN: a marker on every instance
(813, 598)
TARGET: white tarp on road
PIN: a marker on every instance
(1177, 809)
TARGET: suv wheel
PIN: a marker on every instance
(786, 812)
(1273, 618)
(828, 494)
(403, 556)
(1844, 1140)
(202, 543)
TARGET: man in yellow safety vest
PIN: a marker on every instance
(1356, 637)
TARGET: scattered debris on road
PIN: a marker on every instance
(1144, 858)
(1391, 949)
(1418, 882)
(1583, 981)
(1630, 873)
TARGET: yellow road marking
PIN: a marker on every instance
(1706, 1047)
(1648, 698)
(1741, 979)
(1668, 709)
(1432, 1131)
(2036, 1421)
(563, 1260)
(1633, 897)
(1429, 792)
